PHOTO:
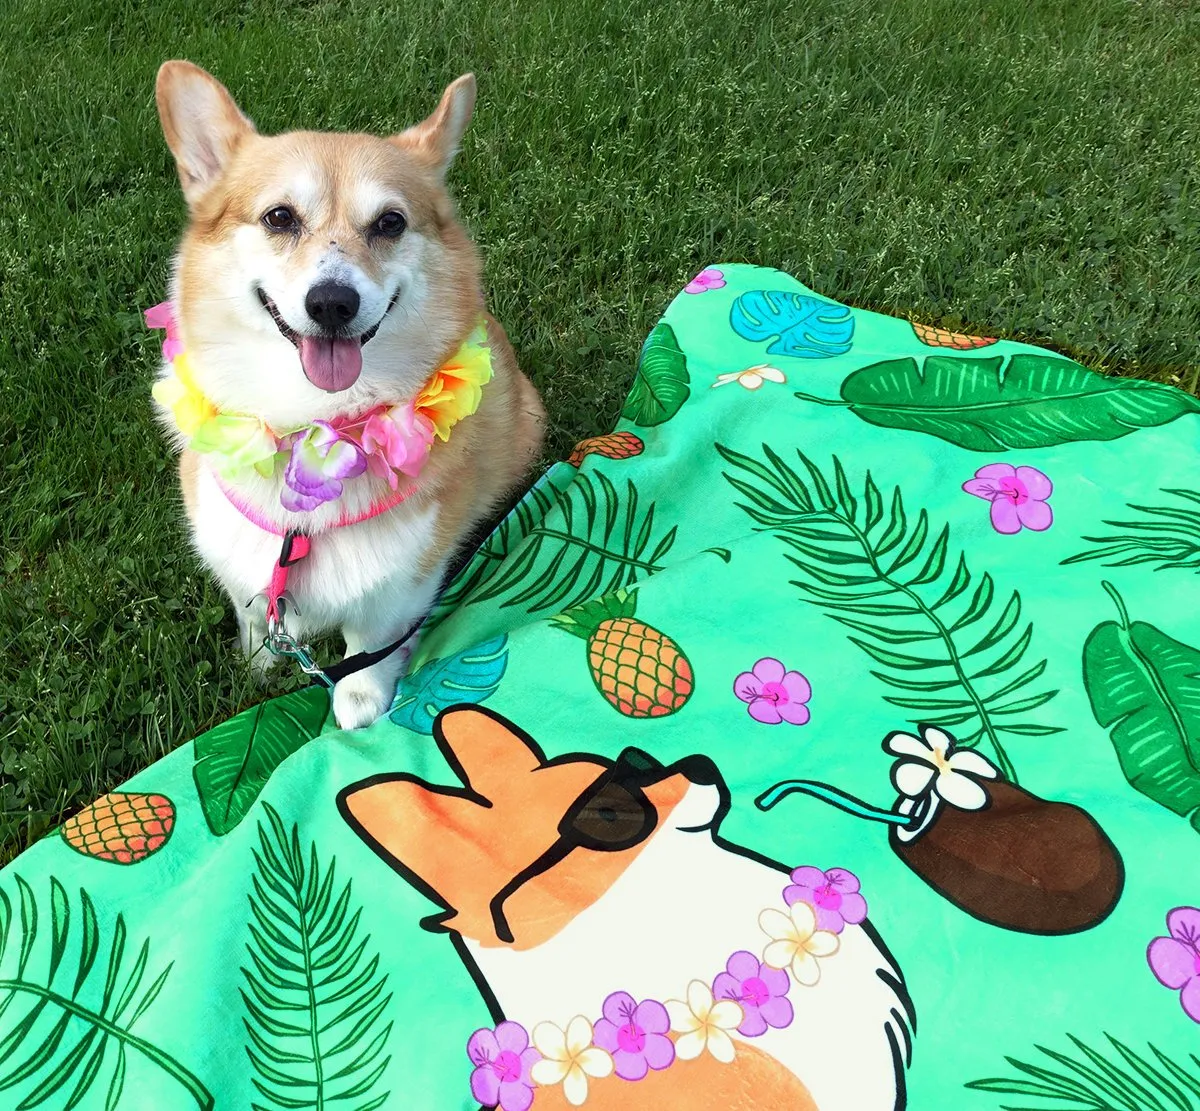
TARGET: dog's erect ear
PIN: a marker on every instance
(202, 124)
(437, 138)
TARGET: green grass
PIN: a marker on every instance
(1026, 169)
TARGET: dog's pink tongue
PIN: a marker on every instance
(331, 364)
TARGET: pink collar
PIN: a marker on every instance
(255, 516)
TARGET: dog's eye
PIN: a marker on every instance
(280, 219)
(390, 225)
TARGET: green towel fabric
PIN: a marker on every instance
(826, 736)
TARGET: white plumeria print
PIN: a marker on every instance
(930, 764)
(569, 1058)
(704, 1023)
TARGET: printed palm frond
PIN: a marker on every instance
(1168, 535)
(561, 548)
(315, 994)
(892, 581)
(72, 1020)
(1092, 1082)
(530, 511)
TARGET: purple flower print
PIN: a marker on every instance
(502, 1060)
(760, 990)
(320, 459)
(704, 281)
(833, 895)
(774, 693)
(635, 1034)
(1175, 960)
(1018, 496)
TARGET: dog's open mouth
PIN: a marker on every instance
(331, 363)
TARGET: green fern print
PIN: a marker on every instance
(892, 580)
(314, 996)
(68, 1009)
(1092, 1081)
(559, 548)
(1166, 535)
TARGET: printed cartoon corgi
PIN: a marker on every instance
(578, 886)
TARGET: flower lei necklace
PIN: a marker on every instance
(749, 996)
(388, 441)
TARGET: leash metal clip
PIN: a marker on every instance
(279, 642)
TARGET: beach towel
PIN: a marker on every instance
(827, 736)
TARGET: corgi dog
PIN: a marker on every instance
(323, 279)
(565, 881)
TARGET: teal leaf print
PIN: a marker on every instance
(948, 642)
(472, 675)
(314, 995)
(235, 759)
(661, 385)
(93, 1027)
(802, 326)
(1032, 401)
(1144, 687)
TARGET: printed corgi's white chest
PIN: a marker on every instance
(677, 914)
(350, 578)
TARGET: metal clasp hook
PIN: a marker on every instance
(279, 642)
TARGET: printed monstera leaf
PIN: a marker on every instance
(661, 385)
(1144, 687)
(800, 325)
(472, 675)
(235, 760)
(986, 404)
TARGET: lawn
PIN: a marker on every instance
(1023, 169)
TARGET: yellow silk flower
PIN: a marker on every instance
(456, 388)
(180, 394)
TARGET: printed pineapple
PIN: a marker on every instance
(121, 827)
(639, 669)
(940, 337)
(616, 445)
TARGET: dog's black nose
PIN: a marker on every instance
(332, 304)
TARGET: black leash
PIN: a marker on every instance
(296, 547)
(335, 673)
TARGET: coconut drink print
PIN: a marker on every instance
(825, 736)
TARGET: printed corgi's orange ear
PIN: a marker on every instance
(487, 752)
(437, 138)
(202, 124)
(432, 832)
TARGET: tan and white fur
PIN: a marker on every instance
(421, 289)
(647, 920)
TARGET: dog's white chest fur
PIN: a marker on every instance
(676, 915)
(365, 579)
(360, 577)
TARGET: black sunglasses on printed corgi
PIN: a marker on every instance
(613, 814)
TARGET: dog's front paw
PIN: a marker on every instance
(360, 699)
